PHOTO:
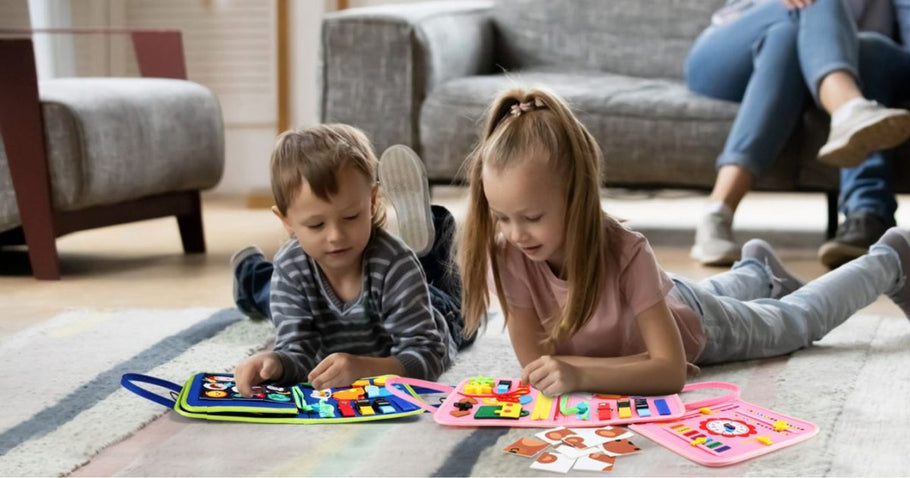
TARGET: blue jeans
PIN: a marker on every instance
(742, 322)
(254, 275)
(884, 77)
(771, 60)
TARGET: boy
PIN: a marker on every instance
(349, 300)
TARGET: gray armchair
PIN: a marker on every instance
(422, 74)
(81, 153)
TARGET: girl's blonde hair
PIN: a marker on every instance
(537, 125)
(316, 155)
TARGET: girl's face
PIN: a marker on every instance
(334, 232)
(528, 204)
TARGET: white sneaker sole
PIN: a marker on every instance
(403, 180)
(884, 132)
(715, 260)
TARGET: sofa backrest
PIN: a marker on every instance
(644, 38)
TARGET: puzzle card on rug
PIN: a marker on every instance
(528, 447)
(594, 462)
(553, 461)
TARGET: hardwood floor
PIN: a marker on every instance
(142, 264)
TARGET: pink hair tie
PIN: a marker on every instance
(524, 106)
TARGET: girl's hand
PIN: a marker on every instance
(336, 370)
(794, 4)
(260, 368)
(551, 376)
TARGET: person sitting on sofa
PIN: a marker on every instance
(765, 58)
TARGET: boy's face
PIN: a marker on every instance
(529, 208)
(334, 232)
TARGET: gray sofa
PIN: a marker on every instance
(422, 74)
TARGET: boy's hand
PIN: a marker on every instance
(336, 370)
(262, 367)
(551, 376)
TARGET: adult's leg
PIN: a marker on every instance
(828, 44)
(829, 50)
(867, 194)
(752, 60)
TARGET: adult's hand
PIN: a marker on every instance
(794, 4)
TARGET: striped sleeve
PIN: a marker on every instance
(297, 342)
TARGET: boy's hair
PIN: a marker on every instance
(316, 155)
(537, 125)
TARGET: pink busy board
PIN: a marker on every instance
(725, 430)
(506, 402)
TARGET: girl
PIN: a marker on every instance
(585, 301)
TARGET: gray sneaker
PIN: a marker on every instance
(899, 240)
(785, 282)
(714, 245)
(872, 127)
(403, 180)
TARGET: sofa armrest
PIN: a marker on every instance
(379, 63)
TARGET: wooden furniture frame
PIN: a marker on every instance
(159, 54)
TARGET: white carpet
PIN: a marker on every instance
(65, 374)
(854, 385)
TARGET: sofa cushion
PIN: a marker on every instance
(641, 123)
(114, 139)
(647, 38)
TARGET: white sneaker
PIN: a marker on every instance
(714, 245)
(871, 127)
(403, 180)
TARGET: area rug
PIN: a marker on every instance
(64, 402)
(854, 384)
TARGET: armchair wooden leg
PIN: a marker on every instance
(191, 233)
(22, 128)
(42, 252)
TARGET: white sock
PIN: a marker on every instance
(720, 208)
(846, 110)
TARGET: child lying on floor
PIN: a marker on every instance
(586, 304)
(347, 299)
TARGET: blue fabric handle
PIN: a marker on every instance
(128, 379)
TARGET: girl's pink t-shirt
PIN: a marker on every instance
(633, 285)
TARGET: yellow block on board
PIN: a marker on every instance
(542, 407)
